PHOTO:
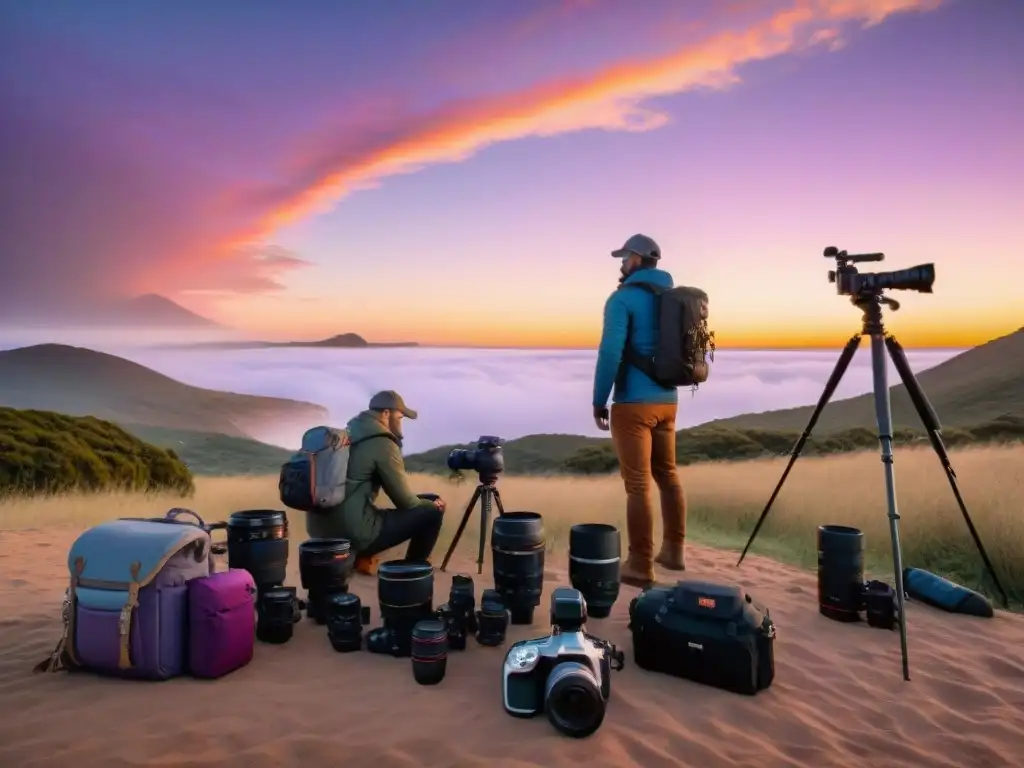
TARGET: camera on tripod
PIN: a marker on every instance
(850, 282)
(487, 459)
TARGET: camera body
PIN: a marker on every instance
(486, 459)
(850, 282)
(561, 671)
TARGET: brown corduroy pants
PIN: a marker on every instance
(644, 435)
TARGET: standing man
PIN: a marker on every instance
(643, 414)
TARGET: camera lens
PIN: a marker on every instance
(840, 572)
(258, 542)
(324, 567)
(429, 652)
(462, 595)
(275, 611)
(345, 622)
(405, 589)
(462, 460)
(517, 552)
(492, 619)
(462, 605)
(573, 700)
(594, 553)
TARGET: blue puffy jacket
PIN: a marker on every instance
(632, 311)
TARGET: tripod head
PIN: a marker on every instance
(861, 287)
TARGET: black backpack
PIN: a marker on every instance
(685, 345)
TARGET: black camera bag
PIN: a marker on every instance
(710, 633)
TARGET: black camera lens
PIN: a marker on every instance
(275, 614)
(840, 572)
(325, 566)
(345, 620)
(462, 603)
(405, 589)
(462, 595)
(257, 541)
(573, 700)
(429, 652)
(492, 619)
(594, 554)
(517, 553)
(880, 605)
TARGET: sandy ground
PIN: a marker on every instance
(838, 700)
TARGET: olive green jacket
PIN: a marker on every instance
(374, 463)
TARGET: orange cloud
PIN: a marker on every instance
(612, 99)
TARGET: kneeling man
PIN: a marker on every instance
(375, 463)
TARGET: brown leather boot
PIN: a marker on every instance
(636, 576)
(367, 565)
(671, 557)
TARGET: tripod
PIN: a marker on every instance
(487, 494)
(870, 302)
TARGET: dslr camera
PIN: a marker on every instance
(486, 459)
(566, 674)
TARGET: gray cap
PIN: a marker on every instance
(641, 245)
(389, 400)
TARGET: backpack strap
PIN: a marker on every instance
(630, 356)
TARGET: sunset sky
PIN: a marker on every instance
(458, 172)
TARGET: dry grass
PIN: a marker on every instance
(725, 500)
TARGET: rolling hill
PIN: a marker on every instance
(976, 386)
(82, 382)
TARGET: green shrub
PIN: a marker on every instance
(46, 452)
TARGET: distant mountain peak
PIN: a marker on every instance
(152, 310)
(344, 339)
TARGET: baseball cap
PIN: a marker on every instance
(389, 400)
(641, 245)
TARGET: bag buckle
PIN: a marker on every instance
(124, 621)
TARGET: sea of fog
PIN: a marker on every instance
(462, 393)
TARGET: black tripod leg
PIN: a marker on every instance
(485, 515)
(830, 387)
(497, 501)
(462, 527)
(931, 424)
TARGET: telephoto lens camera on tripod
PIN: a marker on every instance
(517, 538)
(566, 674)
(865, 292)
(405, 591)
(325, 566)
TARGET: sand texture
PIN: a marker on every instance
(838, 700)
